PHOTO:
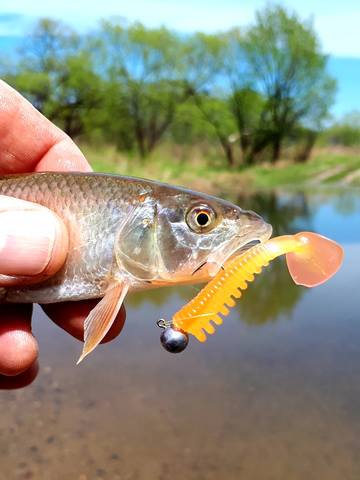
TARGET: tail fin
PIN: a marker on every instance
(316, 262)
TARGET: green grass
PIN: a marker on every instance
(324, 168)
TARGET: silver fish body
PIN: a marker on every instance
(141, 232)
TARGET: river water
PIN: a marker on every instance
(274, 394)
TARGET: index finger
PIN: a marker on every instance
(30, 142)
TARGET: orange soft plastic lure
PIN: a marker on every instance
(311, 259)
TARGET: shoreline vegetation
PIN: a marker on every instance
(335, 167)
(244, 109)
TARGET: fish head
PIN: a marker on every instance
(187, 236)
(198, 233)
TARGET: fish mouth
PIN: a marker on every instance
(217, 259)
(261, 238)
(240, 244)
(235, 253)
(245, 247)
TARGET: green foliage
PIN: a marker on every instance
(206, 60)
(251, 92)
(143, 69)
(283, 58)
(190, 126)
(274, 77)
(247, 106)
(55, 72)
(346, 132)
(204, 55)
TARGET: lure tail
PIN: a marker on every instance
(316, 262)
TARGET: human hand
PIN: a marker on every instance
(33, 240)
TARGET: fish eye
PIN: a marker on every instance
(201, 218)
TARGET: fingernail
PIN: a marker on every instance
(27, 240)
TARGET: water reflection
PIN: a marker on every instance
(273, 293)
(272, 296)
(347, 203)
(284, 212)
(160, 297)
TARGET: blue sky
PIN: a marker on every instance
(336, 22)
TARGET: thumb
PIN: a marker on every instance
(33, 240)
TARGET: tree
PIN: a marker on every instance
(284, 59)
(144, 68)
(273, 77)
(205, 54)
(216, 111)
(56, 74)
(345, 131)
(246, 106)
(256, 90)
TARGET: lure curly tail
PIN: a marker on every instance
(311, 259)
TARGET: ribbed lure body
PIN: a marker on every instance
(312, 259)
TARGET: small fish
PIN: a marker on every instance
(129, 234)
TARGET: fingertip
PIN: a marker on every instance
(19, 381)
(33, 240)
(19, 352)
(18, 347)
(63, 156)
(60, 248)
(29, 141)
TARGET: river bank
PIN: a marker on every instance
(327, 167)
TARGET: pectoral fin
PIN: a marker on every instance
(100, 319)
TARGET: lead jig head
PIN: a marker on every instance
(172, 339)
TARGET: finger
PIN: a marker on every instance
(18, 347)
(33, 241)
(70, 316)
(28, 141)
(20, 381)
(63, 156)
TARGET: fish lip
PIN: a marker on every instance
(263, 235)
(232, 248)
(268, 231)
(245, 247)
